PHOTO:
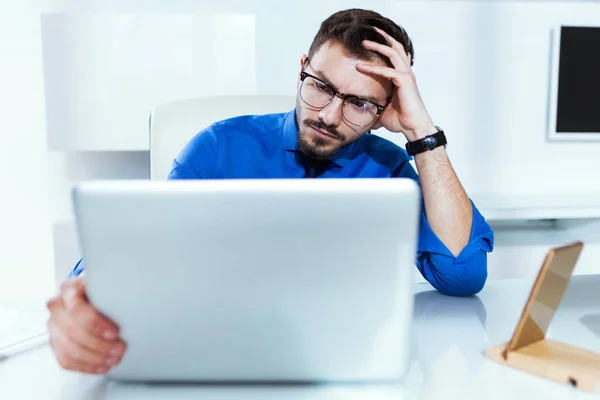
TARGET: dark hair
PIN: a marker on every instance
(351, 27)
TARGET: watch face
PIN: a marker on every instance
(429, 142)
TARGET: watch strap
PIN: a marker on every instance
(427, 143)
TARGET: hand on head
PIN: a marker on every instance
(82, 339)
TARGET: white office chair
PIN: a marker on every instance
(172, 125)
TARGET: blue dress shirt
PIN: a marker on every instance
(266, 146)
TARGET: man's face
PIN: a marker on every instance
(323, 131)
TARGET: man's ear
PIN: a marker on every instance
(302, 62)
(303, 59)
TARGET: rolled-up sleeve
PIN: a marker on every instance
(462, 275)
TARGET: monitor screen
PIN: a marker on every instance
(577, 82)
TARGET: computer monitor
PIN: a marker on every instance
(574, 107)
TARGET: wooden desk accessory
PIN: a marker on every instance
(529, 350)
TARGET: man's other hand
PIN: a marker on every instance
(82, 339)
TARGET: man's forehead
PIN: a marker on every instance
(333, 63)
(333, 51)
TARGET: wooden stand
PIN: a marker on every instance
(529, 350)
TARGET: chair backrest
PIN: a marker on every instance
(172, 125)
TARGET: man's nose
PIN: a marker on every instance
(332, 113)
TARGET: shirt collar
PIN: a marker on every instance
(290, 140)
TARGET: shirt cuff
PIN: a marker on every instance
(77, 270)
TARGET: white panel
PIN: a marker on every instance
(105, 73)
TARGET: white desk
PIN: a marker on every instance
(449, 337)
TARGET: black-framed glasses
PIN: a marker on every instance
(319, 94)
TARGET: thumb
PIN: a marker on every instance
(73, 293)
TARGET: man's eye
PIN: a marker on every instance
(321, 86)
(360, 105)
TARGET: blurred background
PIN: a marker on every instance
(78, 80)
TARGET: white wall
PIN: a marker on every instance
(104, 73)
(482, 68)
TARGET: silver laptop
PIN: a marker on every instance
(253, 280)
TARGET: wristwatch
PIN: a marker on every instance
(427, 143)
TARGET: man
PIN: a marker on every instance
(356, 77)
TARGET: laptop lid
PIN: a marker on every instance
(253, 280)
